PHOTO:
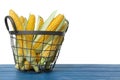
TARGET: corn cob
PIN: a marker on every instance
(24, 23)
(31, 55)
(30, 27)
(18, 37)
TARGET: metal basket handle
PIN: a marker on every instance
(12, 22)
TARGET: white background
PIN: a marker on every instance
(94, 32)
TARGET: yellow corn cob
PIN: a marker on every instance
(31, 55)
(20, 28)
(52, 27)
(30, 27)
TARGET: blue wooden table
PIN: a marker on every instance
(65, 72)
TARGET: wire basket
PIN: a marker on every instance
(27, 55)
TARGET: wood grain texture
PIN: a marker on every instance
(65, 72)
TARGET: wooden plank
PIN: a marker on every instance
(65, 72)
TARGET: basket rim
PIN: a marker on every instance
(37, 32)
